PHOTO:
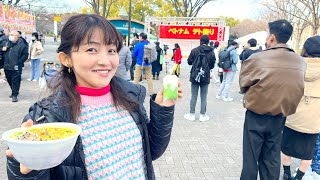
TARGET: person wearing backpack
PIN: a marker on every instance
(228, 60)
(215, 46)
(142, 65)
(202, 60)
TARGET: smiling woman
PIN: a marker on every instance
(118, 140)
(88, 43)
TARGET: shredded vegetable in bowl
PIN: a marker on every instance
(44, 134)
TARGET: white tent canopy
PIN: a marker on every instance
(259, 36)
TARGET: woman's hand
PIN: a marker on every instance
(159, 98)
(23, 169)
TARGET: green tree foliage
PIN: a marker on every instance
(140, 9)
(231, 22)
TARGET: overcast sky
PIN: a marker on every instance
(239, 9)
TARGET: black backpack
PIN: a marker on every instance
(200, 71)
(224, 59)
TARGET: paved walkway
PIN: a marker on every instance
(198, 150)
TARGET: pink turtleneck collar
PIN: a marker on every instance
(93, 92)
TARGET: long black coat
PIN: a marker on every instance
(156, 66)
(155, 134)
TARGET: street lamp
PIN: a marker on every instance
(129, 23)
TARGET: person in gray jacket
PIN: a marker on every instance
(125, 60)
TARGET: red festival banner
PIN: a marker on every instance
(1, 12)
(12, 18)
(189, 32)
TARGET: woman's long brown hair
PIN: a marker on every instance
(77, 29)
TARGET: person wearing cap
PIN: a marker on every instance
(302, 128)
(215, 46)
(195, 85)
(273, 84)
(229, 74)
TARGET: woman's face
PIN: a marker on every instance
(95, 63)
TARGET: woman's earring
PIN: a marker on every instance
(69, 69)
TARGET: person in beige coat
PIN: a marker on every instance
(302, 128)
(35, 50)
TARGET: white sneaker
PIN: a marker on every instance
(218, 97)
(28, 79)
(227, 99)
(190, 116)
(34, 80)
(315, 175)
(203, 117)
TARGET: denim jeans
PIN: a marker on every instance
(316, 158)
(35, 69)
(203, 96)
(226, 83)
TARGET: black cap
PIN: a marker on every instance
(312, 45)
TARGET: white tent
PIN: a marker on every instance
(259, 36)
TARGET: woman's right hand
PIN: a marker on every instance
(23, 169)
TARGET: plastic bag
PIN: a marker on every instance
(42, 82)
(161, 59)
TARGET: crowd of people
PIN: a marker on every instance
(14, 52)
(280, 89)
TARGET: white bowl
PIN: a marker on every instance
(38, 155)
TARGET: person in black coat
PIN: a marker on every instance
(249, 49)
(3, 41)
(15, 54)
(208, 51)
(89, 74)
(156, 66)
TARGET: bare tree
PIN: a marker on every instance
(188, 8)
(292, 10)
(299, 11)
(313, 6)
(96, 5)
(247, 26)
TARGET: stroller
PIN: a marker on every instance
(48, 76)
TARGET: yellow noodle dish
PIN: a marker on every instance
(44, 133)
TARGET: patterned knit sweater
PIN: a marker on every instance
(111, 140)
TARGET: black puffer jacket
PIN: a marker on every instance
(155, 133)
(16, 54)
(245, 54)
(209, 55)
(3, 41)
